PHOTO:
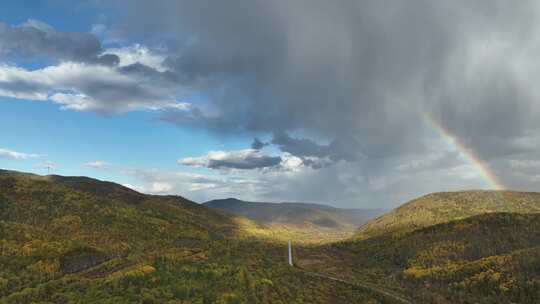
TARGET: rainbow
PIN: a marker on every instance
(482, 168)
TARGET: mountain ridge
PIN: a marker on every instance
(308, 221)
(77, 239)
(441, 207)
(81, 240)
(486, 258)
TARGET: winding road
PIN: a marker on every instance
(365, 286)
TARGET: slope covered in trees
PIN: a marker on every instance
(492, 257)
(79, 240)
(444, 207)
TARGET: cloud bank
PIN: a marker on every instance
(36, 39)
(82, 75)
(343, 87)
(353, 81)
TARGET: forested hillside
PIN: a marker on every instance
(443, 207)
(79, 240)
(492, 257)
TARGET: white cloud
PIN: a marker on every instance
(180, 106)
(138, 54)
(85, 87)
(77, 102)
(290, 162)
(98, 164)
(158, 188)
(40, 25)
(16, 155)
(287, 181)
(133, 187)
(199, 187)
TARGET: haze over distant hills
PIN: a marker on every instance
(298, 216)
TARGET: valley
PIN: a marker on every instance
(269, 152)
(76, 239)
(301, 222)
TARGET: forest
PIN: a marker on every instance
(79, 240)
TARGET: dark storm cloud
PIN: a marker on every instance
(302, 147)
(257, 144)
(359, 74)
(354, 70)
(35, 38)
(23, 87)
(241, 160)
(245, 164)
(149, 73)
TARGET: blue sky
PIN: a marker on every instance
(71, 139)
(273, 100)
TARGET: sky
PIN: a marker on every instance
(357, 104)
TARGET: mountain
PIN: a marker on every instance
(452, 247)
(81, 240)
(313, 219)
(443, 207)
(487, 258)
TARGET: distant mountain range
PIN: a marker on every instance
(300, 215)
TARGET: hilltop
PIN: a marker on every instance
(451, 247)
(444, 207)
(306, 221)
(81, 240)
(488, 258)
